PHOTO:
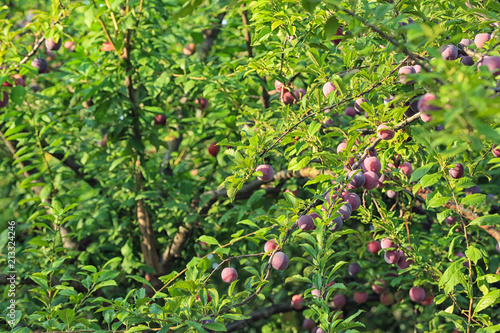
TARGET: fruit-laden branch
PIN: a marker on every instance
(248, 189)
(391, 40)
(283, 308)
(346, 100)
(174, 251)
(307, 209)
(39, 42)
(467, 214)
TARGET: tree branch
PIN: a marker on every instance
(286, 307)
(467, 214)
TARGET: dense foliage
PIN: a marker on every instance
(196, 166)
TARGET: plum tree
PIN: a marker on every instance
(379, 286)
(280, 261)
(403, 74)
(417, 294)
(328, 88)
(387, 243)
(40, 64)
(493, 64)
(481, 39)
(357, 179)
(297, 302)
(384, 132)
(82, 158)
(372, 163)
(213, 149)
(387, 298)
(354, 268)
(457, 172)
(449, 52)
(50, 44)
(339, 301)
(189, 49)
(270, 245)
(267, 172)
(371, 180)
(360, 297)
(374, 247)
(305, 223)
(406, 168)
(229, 275)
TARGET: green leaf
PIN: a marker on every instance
(66, 315)
(90, 14)
(429, 180)
(17, 94)
(208, 239)
(457, 320)
(473, 199)
(90, 268)
(473, 254)
(116, 163)
(487, 300)
(298, 278)
(437, 201)
(188, 8)
(141, 280)
(331, 27)
(298, 163)
(486, 220)
(103, 284)
(420, 172)
(219, 327)
(310, 5)
(453, 276)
